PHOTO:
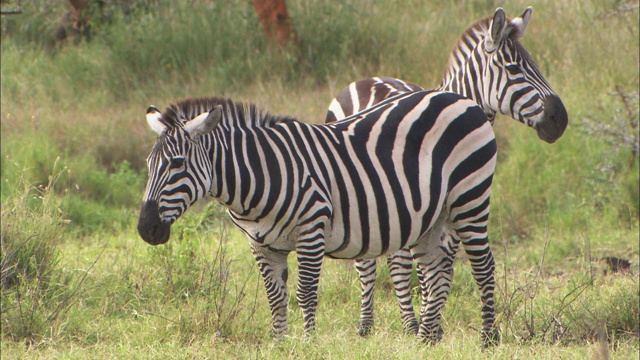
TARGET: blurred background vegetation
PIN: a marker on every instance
(74, 142)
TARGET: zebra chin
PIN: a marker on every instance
(554, 120)
(151, 229)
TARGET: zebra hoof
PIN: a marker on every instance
(432, 337)
(364, 330)
(491, 338)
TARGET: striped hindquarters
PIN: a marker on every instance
(365, 93)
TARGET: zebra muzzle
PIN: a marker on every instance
(150, 227)
(555, 119)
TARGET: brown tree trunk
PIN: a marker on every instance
(73, 24)
(78, 17)
(275, 21)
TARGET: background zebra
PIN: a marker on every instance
(387, 178)
(489, 65)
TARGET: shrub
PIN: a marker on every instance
(35, 292)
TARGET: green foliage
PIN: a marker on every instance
(615, 178)
(331, 41)
(219, 44)
(28, 161)
(31, 230)
(161, 44)
(581, 310)
(91, 197)
(42, 20)
(35, 291)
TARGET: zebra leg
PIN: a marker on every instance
(273, 267)
(482, 268)
(469, 220)
(435, 261)
(400, 266)
(310, 249)
(367, 271)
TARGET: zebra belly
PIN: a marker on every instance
(351, 254)
(357, 246)
(261, 234)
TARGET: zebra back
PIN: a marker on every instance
(363, 94)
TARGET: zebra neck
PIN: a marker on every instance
(241, 179)
(468, 80)
(459, 83)
(217, 151)
(465, 71)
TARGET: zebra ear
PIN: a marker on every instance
(203, 123)
(496, 30)
(519, 24)
(153, 119)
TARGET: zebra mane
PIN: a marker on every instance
(476, 32)
(176, 115)
(470, 38)
(472, 35)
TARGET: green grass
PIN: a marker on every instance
(79, 283)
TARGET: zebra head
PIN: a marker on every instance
(179, 171)
(508, 81)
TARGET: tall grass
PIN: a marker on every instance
(221, 44)
(36, 294)
(45, 297)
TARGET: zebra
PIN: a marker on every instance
(489, 65)
(388, 178)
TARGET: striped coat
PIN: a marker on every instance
(384, 179)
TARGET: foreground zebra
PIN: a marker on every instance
(384, 179)
(489, 65)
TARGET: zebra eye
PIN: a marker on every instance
(513, 69)
(176, 162)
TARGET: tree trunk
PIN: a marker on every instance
(275, 21)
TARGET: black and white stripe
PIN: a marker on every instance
(489, 65)
(388, 178)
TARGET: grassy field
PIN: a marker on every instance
(78, 282)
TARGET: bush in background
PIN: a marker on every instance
(35, 293)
